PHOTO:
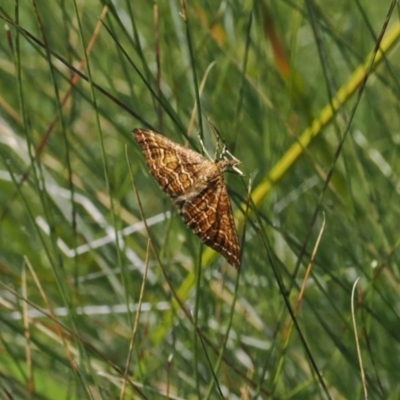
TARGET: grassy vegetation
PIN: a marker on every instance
(95, 304)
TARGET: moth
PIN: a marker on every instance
(197, 188)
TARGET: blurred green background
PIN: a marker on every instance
(156, 314)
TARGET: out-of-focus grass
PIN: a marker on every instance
(74, 324)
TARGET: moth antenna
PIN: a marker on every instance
(204, 147)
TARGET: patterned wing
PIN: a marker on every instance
(175, 167)
(209, 214)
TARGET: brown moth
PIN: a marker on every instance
(196, 186)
